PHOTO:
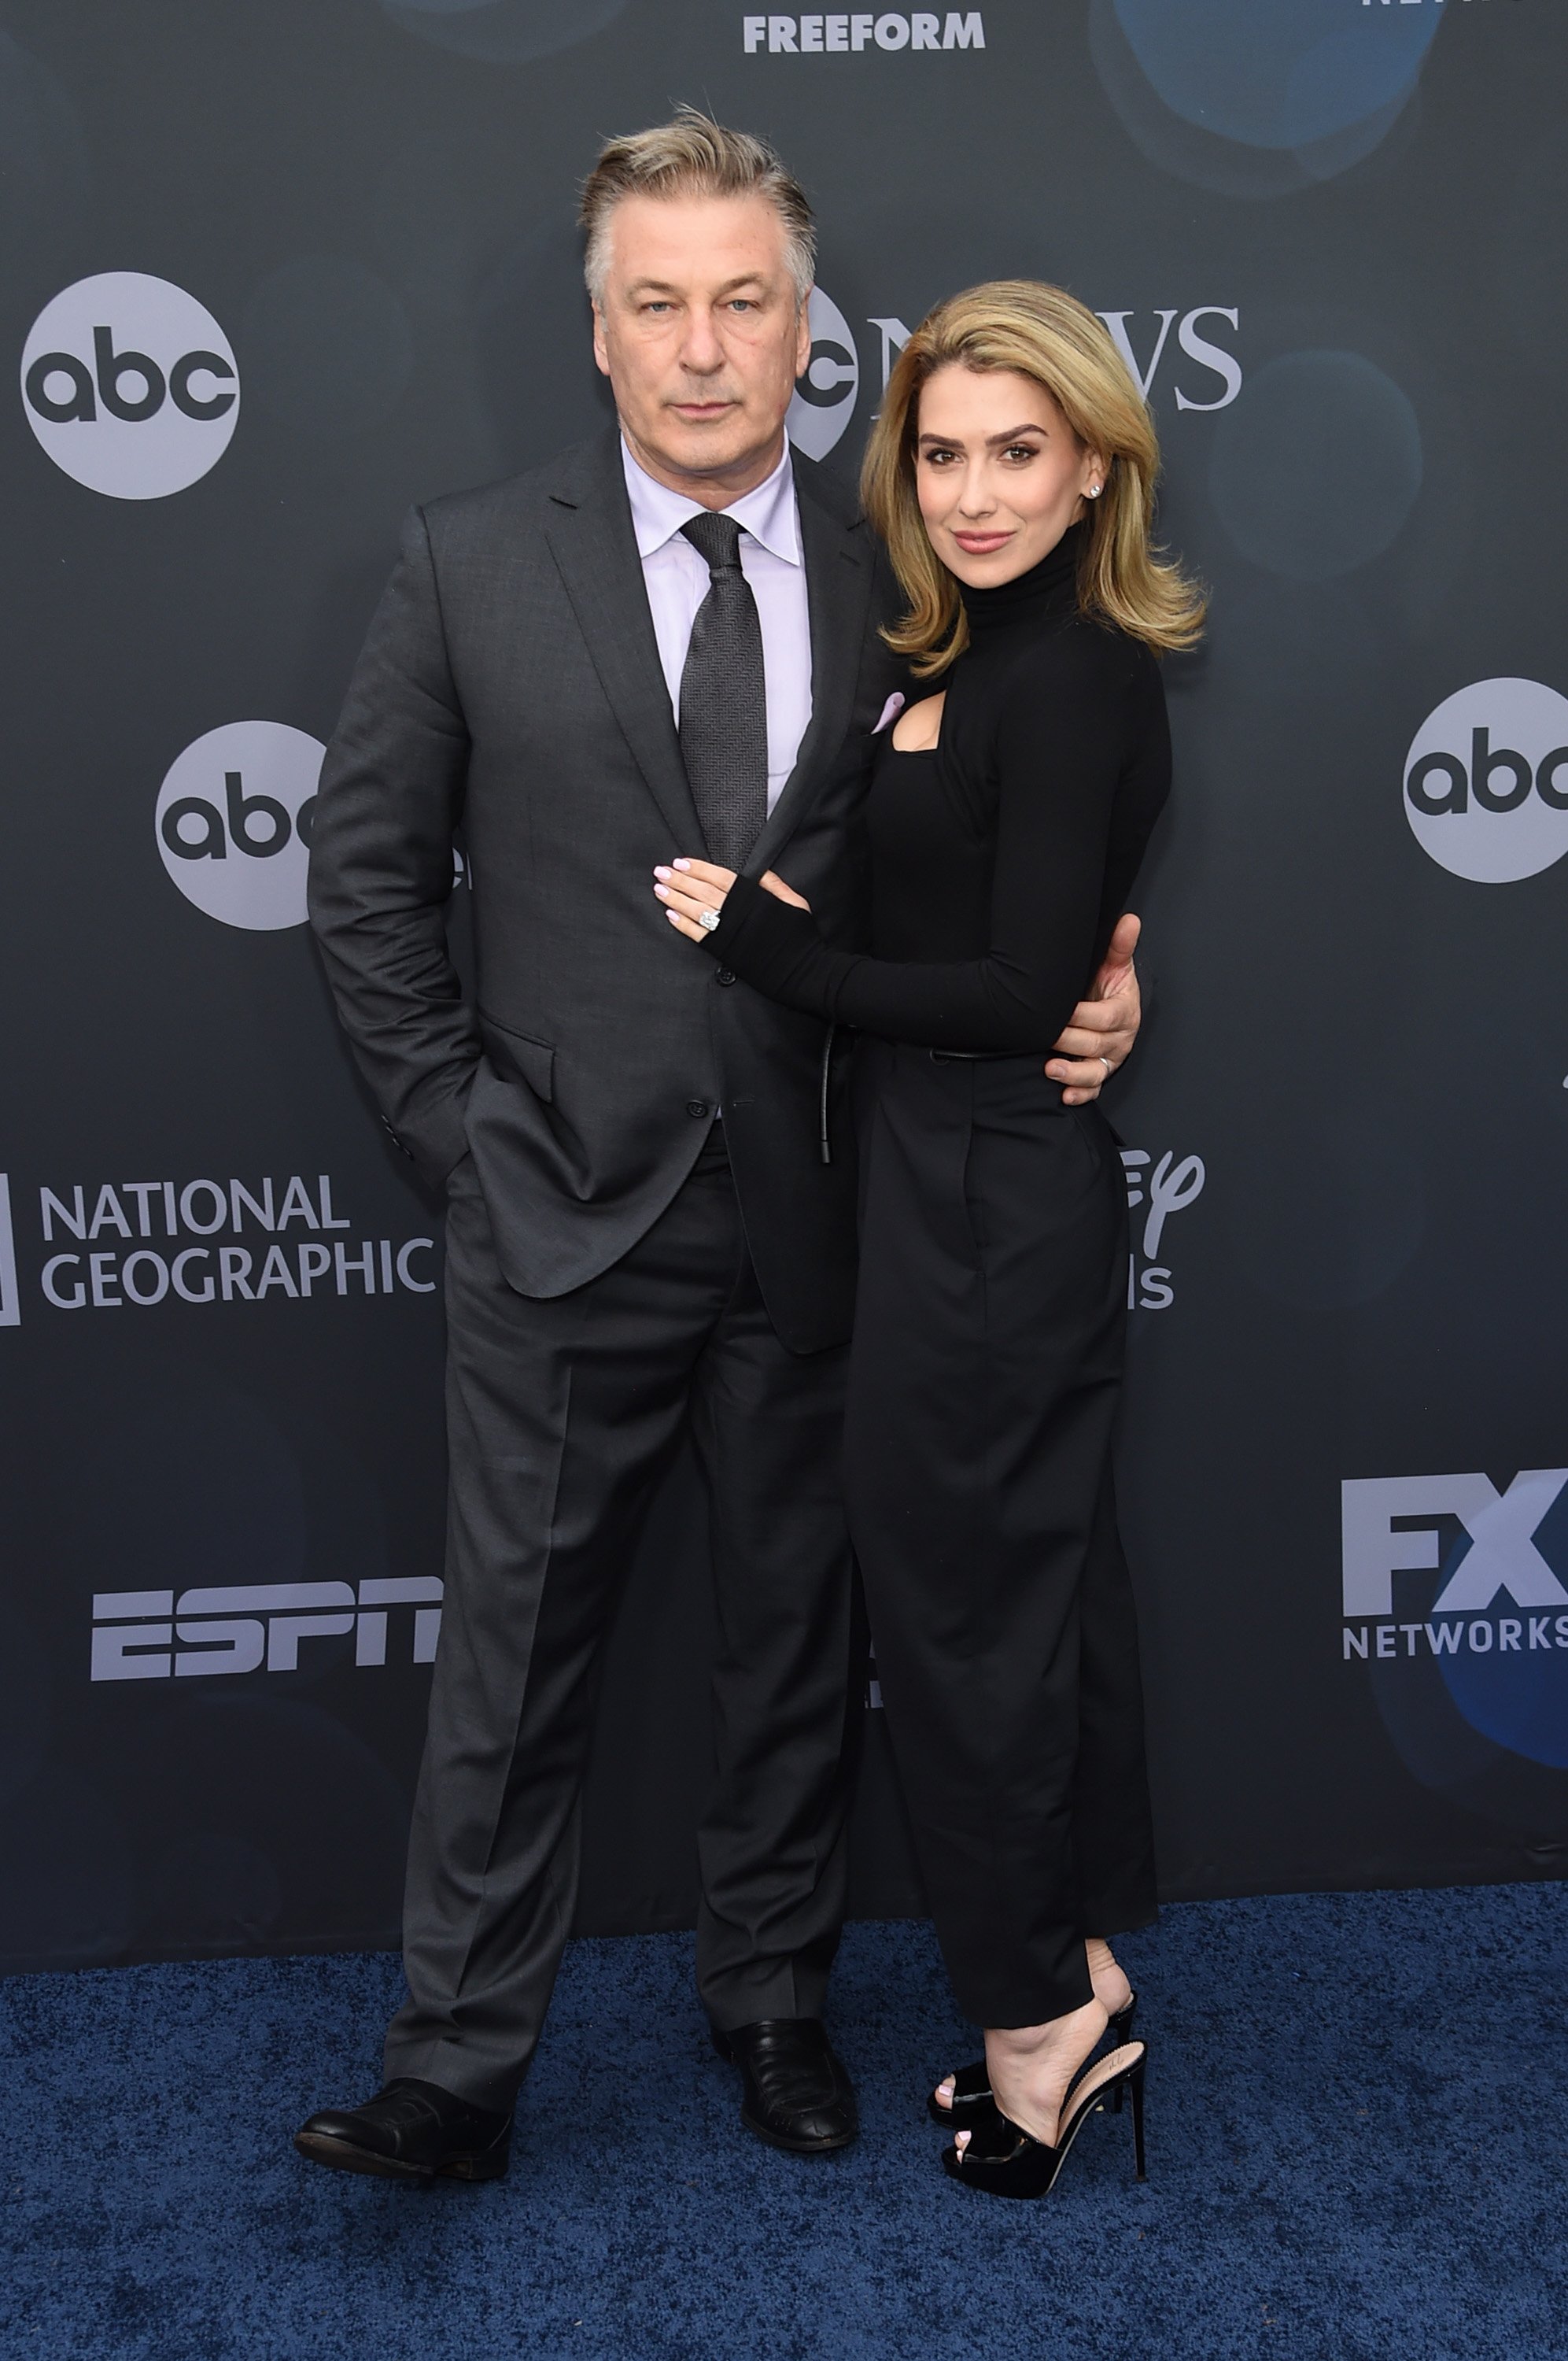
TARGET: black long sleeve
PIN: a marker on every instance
(1016, 842)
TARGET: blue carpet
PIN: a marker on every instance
(1357, 2109)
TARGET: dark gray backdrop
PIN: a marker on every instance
(1346, 1120)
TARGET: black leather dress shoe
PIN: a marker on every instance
(797, 2096)
(411, 2131)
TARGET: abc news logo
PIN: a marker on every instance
(130, 385)
(1486, 781)
(247, 1626)
(825, 396)
(1393, 1524)
(234, 822)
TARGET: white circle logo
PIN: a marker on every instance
(1486, 781)
(130, 385)
(234, 822)
(825, 397)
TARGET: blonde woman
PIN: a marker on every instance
(1011, 474)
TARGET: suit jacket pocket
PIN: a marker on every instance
(518, 1057)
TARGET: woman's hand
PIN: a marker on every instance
(694, 891)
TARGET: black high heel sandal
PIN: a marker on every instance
(1002, 2161)
(971, 2084)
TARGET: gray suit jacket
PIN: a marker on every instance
(510, 688)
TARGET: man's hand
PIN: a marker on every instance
(1100, 1033)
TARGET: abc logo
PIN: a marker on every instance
(234, 822)
(1486, 781)
(130, 385)
(825, 397)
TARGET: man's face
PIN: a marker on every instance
(701, 336)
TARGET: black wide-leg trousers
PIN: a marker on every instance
(562, 1416)
(984, 1374)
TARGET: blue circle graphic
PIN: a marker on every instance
(1315, 472)
(1276, 74)
(1514, 1693)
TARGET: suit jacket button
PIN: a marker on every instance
(697, 1106)
(725, 975)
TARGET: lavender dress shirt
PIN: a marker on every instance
(773, 563)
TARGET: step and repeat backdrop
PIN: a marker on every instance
(268, 275)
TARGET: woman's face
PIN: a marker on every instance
(999, 473)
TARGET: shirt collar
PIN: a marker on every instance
(767, 512)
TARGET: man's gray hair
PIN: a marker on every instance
(695, 156)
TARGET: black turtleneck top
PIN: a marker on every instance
(1001, 858)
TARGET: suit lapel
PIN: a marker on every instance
(593, 544)
(838, 592)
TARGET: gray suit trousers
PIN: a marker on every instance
(563, 1413)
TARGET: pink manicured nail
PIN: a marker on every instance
(662, 872)
(683, 864)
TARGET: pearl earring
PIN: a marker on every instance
(1095, 490)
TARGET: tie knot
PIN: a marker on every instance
(717, 538)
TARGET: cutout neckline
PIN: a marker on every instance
(939, 699)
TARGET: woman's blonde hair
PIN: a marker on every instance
(1043, 333)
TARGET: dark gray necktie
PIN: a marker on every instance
(724, 702)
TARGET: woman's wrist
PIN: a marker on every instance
(760, 937)
(741, 896)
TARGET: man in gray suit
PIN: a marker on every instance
(665, 640)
